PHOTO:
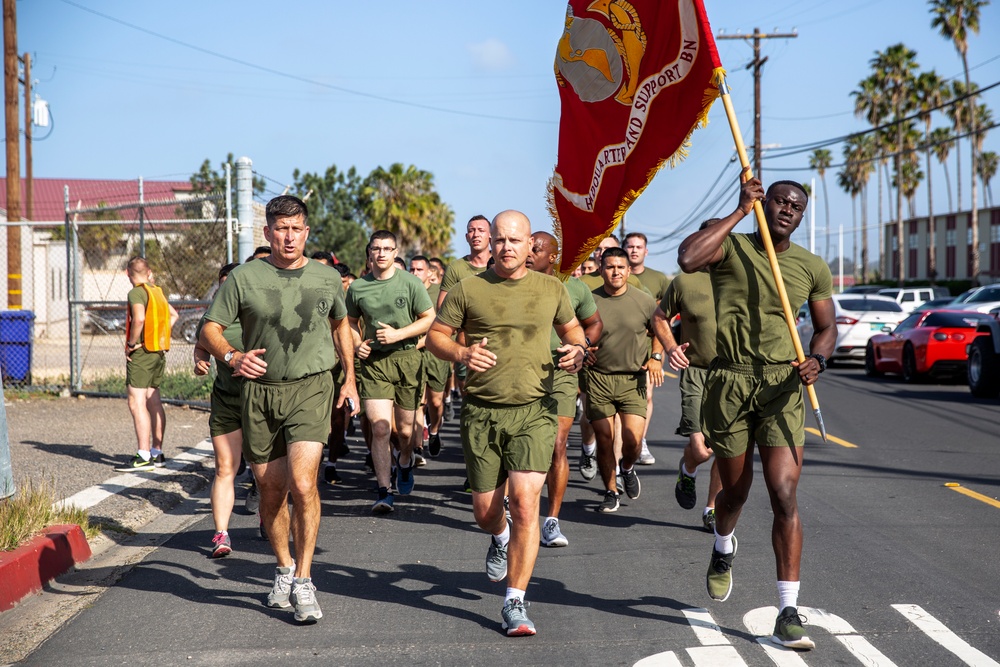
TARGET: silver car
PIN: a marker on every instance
(980, 299)
(859, 317)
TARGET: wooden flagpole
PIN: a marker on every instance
(772, 257)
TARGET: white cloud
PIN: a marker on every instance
(492, 55)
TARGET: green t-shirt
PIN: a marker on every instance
(582, 301)
(628, 321)
(751, 323)
(224, 380)
(595, 280)
(690, 296)
(514, 316)
(655, 282)
(396, 301)
(434, 291)
(287, 312)
(457, 271)
(136, 295)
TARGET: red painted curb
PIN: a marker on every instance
(28, 568)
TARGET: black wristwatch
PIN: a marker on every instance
(821, 360)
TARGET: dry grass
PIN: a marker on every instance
(28, 512)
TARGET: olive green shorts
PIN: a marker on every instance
(277, 414)
(692, 386)
(564, 389)
(227, 413)
(611, 393)
(436, 372)
(394, 376)
(498, 439)
(746, 404)
(145, 369)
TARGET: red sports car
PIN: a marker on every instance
(932, 343)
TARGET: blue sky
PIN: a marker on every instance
(461, 89)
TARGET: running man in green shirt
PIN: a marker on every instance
(753, 391)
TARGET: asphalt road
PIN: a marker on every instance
(898, 569)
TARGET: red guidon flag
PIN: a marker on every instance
(635, 78)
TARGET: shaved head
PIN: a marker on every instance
(510, 234)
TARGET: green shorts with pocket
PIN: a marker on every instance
(564, 390)
(498, 439)
(280, 413)
(393, 376)
(611, 393)
(145, 369)
(744, 404)
(227, 412)
(692, 386)
(436, 372)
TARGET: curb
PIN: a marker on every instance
(28, 568)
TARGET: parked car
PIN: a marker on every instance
(980, 299)
(983, 369)
(863, 289)
(104, 319)
(935, 304)
(859, 317)
(911, 297)
(932, 343)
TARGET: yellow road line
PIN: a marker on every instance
(832, 438)
(955, 486)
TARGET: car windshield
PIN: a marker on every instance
(963, 320)
(988, 294)
(870, 305)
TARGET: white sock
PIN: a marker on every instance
(644, 446)
(724, 543)
(788, 594)
(156, 452)
(707, 510)
(684, 469)
(624, 469)
(590, 448)
(503, 538)
(144, 455)
(513, 593)
(429, 432)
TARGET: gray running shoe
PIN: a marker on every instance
(278, 597)
(551, 535)
(646, 457)
(159, 460)
(515, 619)
(788, 630)
(588, 465)
(610, 503)
(630, 481)
(496, 560)
(719, 579)
(303, 596)
(685, 490)
(708, 521)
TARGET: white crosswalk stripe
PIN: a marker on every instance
(937, 631)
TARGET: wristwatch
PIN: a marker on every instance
(657, 356)
(229, 356)
(821, 360)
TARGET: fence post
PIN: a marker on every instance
(244, 205)
(142, 228)
(229, 213)
(7, 487)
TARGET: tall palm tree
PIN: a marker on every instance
(988, 163)
(870, 102)
(859, 157)
(954, 19)
(820, 160)
(940, 145)
(961, 119)
(847, 180)
(404, 201)
(930, 91)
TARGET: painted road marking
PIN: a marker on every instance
(937, 631)
(955, 486)
(91, 496)
(832, 438)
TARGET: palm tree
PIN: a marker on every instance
(847, 180)
(930, 91)
(940, 145)
(954, 19)
(870, 102)
(988, 163)
(820, 160)
(958, 114)
(404, 201)
(859, 156)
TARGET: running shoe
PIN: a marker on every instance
(330, 475)
(384, 503)
(588, 465)
(610, 503)
(466, 486)
(303, 597)
(646, 457)
(719, 579)
(418, 457)
(708, 521)
(685, 491)
(449, 410)
(496, 560)
(404, 477)
(252, 502)
(282, 588)
(159, 460)
(788, 630)
(434, 444)
(135, 464)
(630, 481)
(515, 619)
(551, 535)
(221, 545)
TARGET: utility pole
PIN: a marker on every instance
(29, 199)
(12, 129)
(757, 64)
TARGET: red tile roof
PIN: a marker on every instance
(49, 204)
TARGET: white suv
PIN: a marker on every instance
(910, 297)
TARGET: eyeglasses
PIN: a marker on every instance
(378, 249)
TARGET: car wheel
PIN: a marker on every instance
(983, 369)
(188, 330)
(910, 365)
(871, 370)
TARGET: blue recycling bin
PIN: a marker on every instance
(17, 329)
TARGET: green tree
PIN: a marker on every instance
(870, 103)
(404, 201)
(954, 19)
(940, 145)
(930, 91)
(337, 219)
(820, 160)
(859, 156)
(988, 162)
